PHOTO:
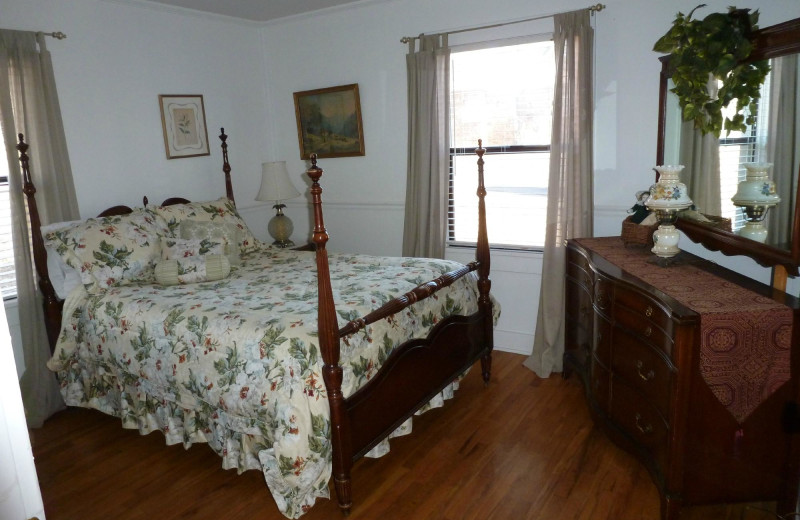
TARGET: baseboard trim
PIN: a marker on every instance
(514, 342)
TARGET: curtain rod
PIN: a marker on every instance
(593, 9)
(58, 35)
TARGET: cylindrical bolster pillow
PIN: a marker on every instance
(206, 268)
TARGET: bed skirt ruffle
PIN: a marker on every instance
(243, 443)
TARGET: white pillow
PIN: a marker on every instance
(63, 277)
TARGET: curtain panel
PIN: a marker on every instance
(781, 147)
(699, 153)
(29, 105)
(428, 72)
(570, 203)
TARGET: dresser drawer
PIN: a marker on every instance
(602, 339)
(641, 421)
(643, 368)
(579, 301)
(578, 325)
(644, 306)
(579, 270)
(637, 324)
(603, 294)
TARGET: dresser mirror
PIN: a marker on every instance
(774, 138)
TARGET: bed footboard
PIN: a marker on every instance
(412, 375)
(361, 421)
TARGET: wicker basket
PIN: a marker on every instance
(637, 234)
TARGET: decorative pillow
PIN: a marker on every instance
(62, 277)
(174, 248)
(226, 232)
(207, 268)
(111, 251)
(221, 210)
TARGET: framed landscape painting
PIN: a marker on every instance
(329, 122)
(183, 119)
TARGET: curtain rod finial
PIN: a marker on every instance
(597, 7)
(59, 35)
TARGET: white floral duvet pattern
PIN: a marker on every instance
(236, 362)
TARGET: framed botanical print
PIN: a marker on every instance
(183, 119)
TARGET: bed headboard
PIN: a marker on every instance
(52, 304)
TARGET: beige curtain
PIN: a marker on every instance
(29, 105)
(569, 190)
(700, 155)
(428, 70)
(781, 147)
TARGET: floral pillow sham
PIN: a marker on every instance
(220, 210)
(176, 248)
(111, 251)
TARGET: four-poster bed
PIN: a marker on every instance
(212, 362)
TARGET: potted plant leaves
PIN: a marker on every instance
(701, 52)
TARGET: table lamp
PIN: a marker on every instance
(276, 186)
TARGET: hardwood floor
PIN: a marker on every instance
(522, 448)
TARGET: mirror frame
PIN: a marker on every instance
(769, 42)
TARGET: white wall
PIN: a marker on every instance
(20, 497)
(361, 45)
(119, 55)
(117, 58)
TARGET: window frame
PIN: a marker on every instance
(4, 181)
(454, 152)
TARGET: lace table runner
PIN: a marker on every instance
(745, 337)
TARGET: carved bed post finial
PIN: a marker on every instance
(226, 167)
(50, 302)
(329, 346)
(482, 256)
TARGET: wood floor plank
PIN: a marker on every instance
(521, 448)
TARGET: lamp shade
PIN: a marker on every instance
(275, 183)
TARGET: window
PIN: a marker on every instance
(738, 148)
(502, 94)
(8, 281)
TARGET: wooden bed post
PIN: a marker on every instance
(484, 263)
(329, 345)
(50, 302)
(226, 167)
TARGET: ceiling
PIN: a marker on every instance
(257, 10)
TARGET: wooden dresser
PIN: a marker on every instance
(639, 350)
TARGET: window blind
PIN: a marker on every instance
(8, 281)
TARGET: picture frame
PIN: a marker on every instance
(329, 122)
(183, 120)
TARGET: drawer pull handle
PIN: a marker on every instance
(648, 331)
(645, 377)
(646, 429)
(649, 311)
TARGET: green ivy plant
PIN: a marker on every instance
(714, 47)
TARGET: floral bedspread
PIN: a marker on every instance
(236, 363)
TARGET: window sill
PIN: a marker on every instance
(498, 247)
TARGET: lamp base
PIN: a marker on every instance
(665, 241)
(284, 244)
(280, 228)
(754, 230)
